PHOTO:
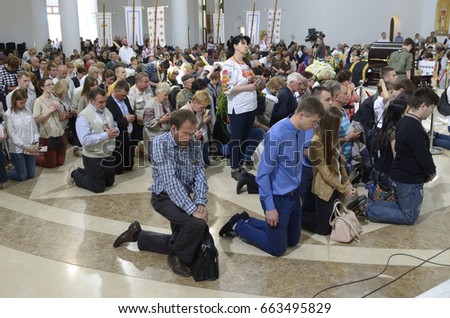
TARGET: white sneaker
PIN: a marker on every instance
(69, 179)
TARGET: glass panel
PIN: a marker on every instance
(54, 26)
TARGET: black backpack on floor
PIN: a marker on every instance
(205, 265)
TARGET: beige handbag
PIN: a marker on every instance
(345, 227)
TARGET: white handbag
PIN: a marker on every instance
(345, 227)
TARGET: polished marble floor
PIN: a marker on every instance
(56, 241)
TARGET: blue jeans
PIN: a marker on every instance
(240, 125)
(275, 240)
(24, 166)
(254, 138)
(441, 140)
(3, 175)
(404, 210)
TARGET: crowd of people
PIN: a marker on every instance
(265, 105)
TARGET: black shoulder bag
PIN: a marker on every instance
(205, 265)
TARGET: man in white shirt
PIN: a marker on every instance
(23, 81)
(126, 52)
(140, 93)
(383, 37)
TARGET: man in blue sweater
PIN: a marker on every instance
(279, 177)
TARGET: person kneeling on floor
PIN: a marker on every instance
(178, 172)
(278, 178)
(96, 130)
(413, 164)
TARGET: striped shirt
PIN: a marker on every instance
(343, 131)
(179, 172)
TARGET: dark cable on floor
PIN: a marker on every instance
(384, 270)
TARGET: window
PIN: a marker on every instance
(54, 20)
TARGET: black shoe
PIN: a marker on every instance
(228, 227)
(242, 181)
(358, 205)
(178, 266)
(248, 163)
(236, 174)
(354, 176)
(128, 235)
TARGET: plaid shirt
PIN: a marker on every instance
(152, 71)
(179, 172)
(7, 78)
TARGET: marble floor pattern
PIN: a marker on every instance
(56, 241)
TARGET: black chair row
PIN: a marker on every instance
(9, 47)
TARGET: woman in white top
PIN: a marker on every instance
(264, 46)
(238, 82)
(23, 137)
(156, 116)
(210, 47)
(48, 115)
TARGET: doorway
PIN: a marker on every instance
(395, 27)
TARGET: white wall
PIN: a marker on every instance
(364, 25)
(118, 26)
(16, 22)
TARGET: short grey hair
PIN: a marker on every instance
(163, 88)
(296, 77)
(333, 86)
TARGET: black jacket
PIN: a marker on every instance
(287, 103)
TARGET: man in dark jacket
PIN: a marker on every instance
(119, 106)
(287, 103)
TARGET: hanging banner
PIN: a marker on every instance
(219, 25)
(138, 34)
(248, 26)
(160, 26)
(442, 18)
(277, 28)
(104, 22)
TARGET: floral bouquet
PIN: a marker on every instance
(321, 70)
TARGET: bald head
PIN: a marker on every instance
(62, 71)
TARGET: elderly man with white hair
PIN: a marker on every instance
(287, 102)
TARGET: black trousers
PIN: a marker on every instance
(186, 234)
(318, 221)
(98, 173)
(123, 153)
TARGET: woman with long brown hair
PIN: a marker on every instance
(48, 115)
(330, 180)
(23, 137)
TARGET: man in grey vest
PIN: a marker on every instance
(96, 130)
